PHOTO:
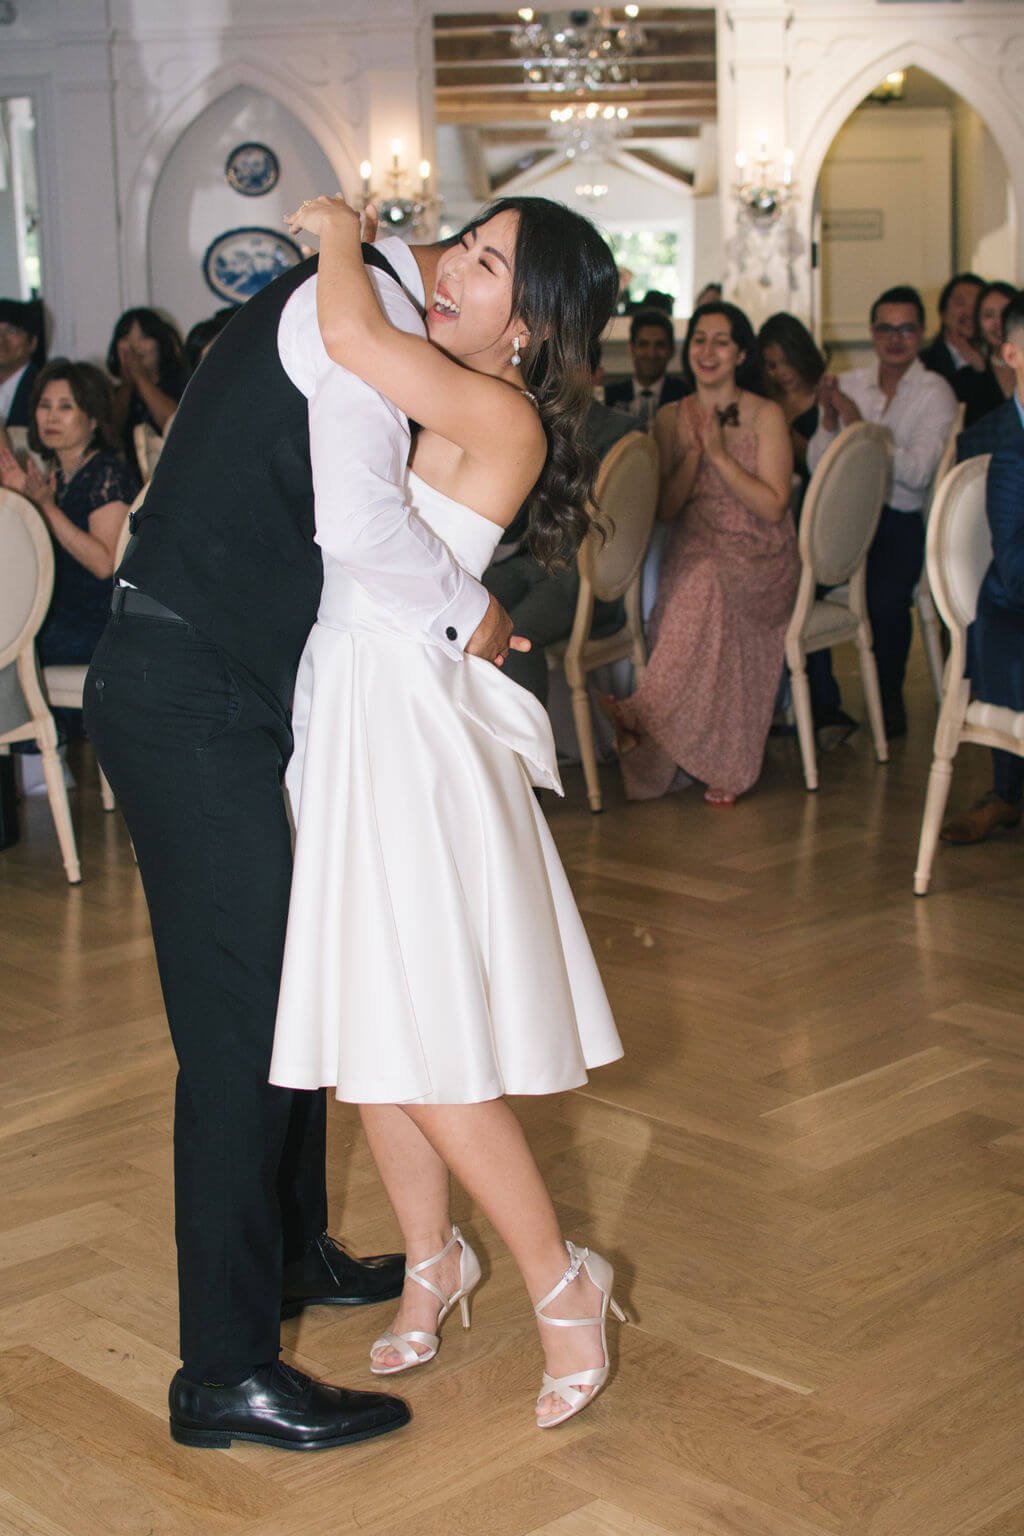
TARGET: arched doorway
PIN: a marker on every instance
(913, 187)
(194, 204)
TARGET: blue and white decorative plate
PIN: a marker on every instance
(252, 169)
(242, 261)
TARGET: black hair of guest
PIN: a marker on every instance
(1013, 316)
(202, 334)
(91, 392)
(954, 282)
(645, 319)
(796, 344)
(171, 349)
(1007, 290)
(748, 372)
(901, 294)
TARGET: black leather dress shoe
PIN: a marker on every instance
(281, 1407)
(328, 1276)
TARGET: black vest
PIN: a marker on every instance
(225, 535)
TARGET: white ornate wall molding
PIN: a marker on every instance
(796, 71)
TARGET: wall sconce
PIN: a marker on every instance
(764, 229)
(891, 88)
(401, 209)
(761, 196)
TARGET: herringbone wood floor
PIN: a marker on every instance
(808, 1170)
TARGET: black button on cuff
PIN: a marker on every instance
(451, 633)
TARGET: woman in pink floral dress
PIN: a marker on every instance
(728, 579)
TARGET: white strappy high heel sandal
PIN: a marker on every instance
(402, 1343)
(579, 1388)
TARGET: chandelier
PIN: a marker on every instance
(577, 52)
(766, 236)
(589, 131)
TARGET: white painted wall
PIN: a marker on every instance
(986, 218)
(887, 186)
(193, 203)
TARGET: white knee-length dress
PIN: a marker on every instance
(435, 953)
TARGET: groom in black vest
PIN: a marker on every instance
(187, 702)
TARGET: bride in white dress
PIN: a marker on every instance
(435, 959)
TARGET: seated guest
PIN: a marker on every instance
(728, 575)
(22, 354)
(793, 367)
(995, 644)
(956, 346)
(918, 407)
(542, 602)
(147, 358)
(1003, 427)
(84, 502)
(651, 343)
(202, 337)
(986, 391)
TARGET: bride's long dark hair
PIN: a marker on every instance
(564, 289)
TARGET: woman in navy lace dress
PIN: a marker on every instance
(84, 500)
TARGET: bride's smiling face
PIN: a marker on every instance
(470, 311)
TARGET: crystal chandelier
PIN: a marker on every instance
(577, 52)
(766, 235)
(589, 131)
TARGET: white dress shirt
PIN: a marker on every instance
(359, 447)
(919, 416)
(8, 390)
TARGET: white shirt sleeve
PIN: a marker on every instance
(922, 437)
(359, 445)
(821, 439)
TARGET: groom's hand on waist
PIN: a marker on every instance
(493, 638)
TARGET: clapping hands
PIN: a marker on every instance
(29, 482)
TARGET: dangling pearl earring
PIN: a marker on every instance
(516, 359)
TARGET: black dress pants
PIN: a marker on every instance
(894, 570)
(195, 757)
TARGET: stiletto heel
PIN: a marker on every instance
(401, 1343)
(568, 1388)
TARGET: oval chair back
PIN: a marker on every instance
(26, 574)
(959, 549)
(26, 585)
(844, 502)
(626, 495)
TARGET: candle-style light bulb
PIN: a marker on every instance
(741, 160)
(424, 170)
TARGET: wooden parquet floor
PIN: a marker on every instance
(808, 1170)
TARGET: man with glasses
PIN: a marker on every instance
(918, 407)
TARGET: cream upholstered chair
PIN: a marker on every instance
(626, 495)
(959, 553)
(148, 447)
(927, 618)
(840, 516)
(26, 583)
(65, 682)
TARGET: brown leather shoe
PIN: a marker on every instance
(985, 817)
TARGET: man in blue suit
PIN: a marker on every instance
(1003, 427)
(995, 643)
(22, 354)
(651, 343)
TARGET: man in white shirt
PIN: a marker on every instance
(918, 407)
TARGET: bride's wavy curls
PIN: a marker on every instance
(564, 289)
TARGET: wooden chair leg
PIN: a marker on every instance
(801, 696)
(106, 793)
(928, 621)
(872, 695)
(939, 780)
(585, 737)
(57, 791)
